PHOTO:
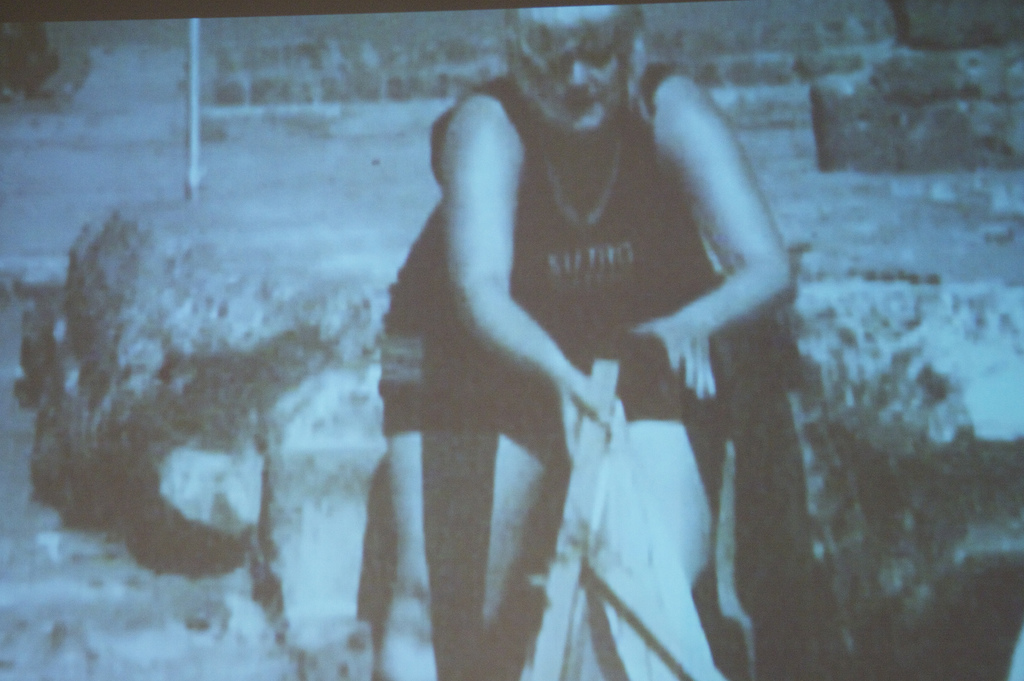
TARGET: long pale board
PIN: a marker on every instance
(584, 499)
(635, 591)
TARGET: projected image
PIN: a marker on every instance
(646, 342)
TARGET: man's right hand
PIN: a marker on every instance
(585, 398)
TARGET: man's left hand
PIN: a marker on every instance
(688, 344)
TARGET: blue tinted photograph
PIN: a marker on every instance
(666, 342)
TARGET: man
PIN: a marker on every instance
(580, 199)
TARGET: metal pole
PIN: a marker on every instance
(192, 184)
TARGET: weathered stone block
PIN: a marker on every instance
(899, 357)
(332, 89)
(1015, 129)
(368, 84)
(953, 134)
(761, 108)
(275, 89)
(1014, 74)
(230, 92)
(818, 64)
(229, 61)
(707, 73)
(304, 55)
(875, 124)
(213, 130)
(220, 490)
(917, 78)
(955, 24)
(399, 88)
(261, 57)
(923, 412)
(854, 129)
(435, 85)
(759, 70)
(305, 91)
(161, 397)
(994, 402)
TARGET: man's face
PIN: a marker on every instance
(572, 64)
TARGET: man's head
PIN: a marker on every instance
(576, 65)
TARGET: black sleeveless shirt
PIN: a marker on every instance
(643, 258)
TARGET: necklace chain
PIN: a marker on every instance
(566, 207)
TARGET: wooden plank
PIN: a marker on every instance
(583, 504)
(725, 558)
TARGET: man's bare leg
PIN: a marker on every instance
(518, 477)
(1016, 672)
(671, 480)
(407, 650)
(669, 473)
(517, 484)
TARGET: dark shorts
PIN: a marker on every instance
(455, 385)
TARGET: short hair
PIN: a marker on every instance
(628, 17)
(627, 25)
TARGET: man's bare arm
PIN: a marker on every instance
(698, 145)
(480, 168)
(699, 149)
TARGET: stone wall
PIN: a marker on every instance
(323, 72)
(326, 71)
(950, 96)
